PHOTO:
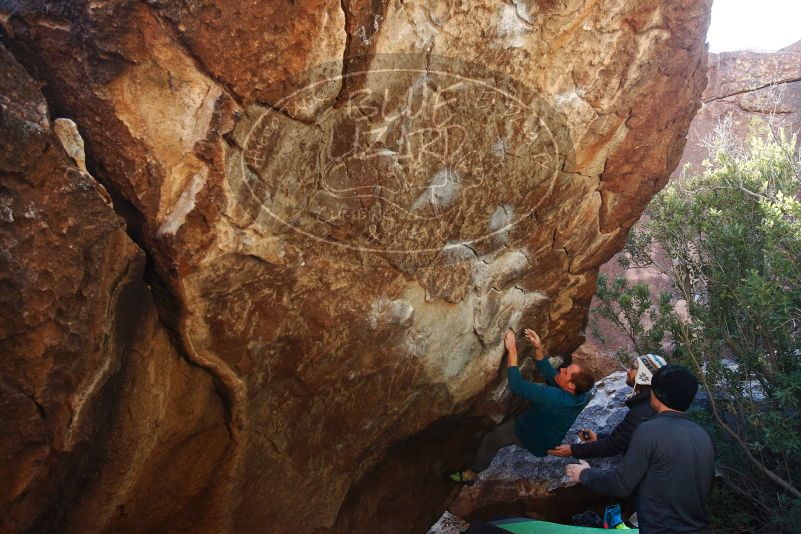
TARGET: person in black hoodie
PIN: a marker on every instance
(669, 464)
(639, 376)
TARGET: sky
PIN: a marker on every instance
(759, 25)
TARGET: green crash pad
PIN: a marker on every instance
(531, 526)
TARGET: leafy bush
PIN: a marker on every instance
(631, 310)
(729, 239)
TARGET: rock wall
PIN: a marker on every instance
(99, 413)
(342, 207)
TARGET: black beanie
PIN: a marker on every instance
(675, 386)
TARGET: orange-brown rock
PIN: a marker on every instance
(748, 94)
(344, 205)
(99, 412)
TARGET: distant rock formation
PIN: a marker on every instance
(342, 206)
(749, 93)
(746, 92)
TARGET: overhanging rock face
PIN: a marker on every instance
(345, 204)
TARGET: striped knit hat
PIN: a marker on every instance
(646, 367)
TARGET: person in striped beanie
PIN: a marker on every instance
(646, 367)
(639, 375)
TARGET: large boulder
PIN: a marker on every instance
(344, 204)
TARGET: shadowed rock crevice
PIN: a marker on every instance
(422, 457)
(168, 295)
(558, 506)
(90, 382)
(363, 21)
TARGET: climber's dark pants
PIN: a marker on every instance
(503, 436)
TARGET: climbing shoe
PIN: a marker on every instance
(459, 478)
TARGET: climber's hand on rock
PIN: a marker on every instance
(573, 471)
(585, 435)
(509, 341)
(562, 450)
(533, 338)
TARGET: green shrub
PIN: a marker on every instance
(729, 239)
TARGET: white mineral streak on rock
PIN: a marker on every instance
(6, 210)
(460, 343)
(501, 217)
(384, 311)
(164, 100)
(501, 222)
(514, 24)
(564, 98)
(498, 310)
(571, 99)
(167, 104)
(500, 148)
(249, 241)
(441, 192)
(499, 273)
(442, 333)
(158, 387)
(454, 251)
(410, 29)
(185, 204)
(71, 140)
(83, 394)
(31, 211)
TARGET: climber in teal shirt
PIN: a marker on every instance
(554, 407)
